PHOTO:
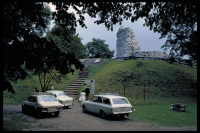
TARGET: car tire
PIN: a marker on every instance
(102, 114)
(23, 109)
(84, 109)
(56, 113)
(38, 113)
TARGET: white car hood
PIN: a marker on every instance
(50, 104)
(64, 98)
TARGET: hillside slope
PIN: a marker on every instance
(158, 76)
(24, 88)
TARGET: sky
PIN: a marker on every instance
(148, 40)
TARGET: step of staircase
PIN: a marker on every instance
(76, 84)
(71, 92)
(72, 89)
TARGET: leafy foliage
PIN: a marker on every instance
(176, 20)
(98, 49)
(25, 23)
(23, 45)
(67, 40)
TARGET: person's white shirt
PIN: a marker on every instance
(82, 96)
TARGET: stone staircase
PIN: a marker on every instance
(72, 89)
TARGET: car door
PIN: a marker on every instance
(106, 105)
(28, 103)
(91, 104)
(32, 104)
(98, 105)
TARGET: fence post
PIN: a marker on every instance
(144, 92)
(124, 90)
(116, 87)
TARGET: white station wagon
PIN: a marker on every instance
(108, 105)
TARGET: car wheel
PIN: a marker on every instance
(56, 113)
(38, 114)
(23, 109)
(84, 109)
(102, 114)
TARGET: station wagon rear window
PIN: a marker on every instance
(119, 101)
(47, 99)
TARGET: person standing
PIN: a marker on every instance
(87, 92)
(82, 96)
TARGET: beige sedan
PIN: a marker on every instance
(108, 105)
(40, 103)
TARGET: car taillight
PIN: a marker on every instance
(131, 108)
(111, 109)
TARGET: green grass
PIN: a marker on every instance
(23, 88)
(158, 111)
(156, 108)
(157, 72)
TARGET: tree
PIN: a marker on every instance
(98, 49)
(177, 21)
(23, 47)
(67, 40)
(21, 19)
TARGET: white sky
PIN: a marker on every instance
(148, 40)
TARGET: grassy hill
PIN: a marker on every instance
(168, 83)
(23, 88)
(158, 76)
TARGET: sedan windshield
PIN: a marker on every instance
(47, 99)
(119, 101)
(60, 94)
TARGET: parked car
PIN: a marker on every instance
(62, 97)
(108, 105)
(41, 102)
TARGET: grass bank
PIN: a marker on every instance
(23, 88)
(164, 84)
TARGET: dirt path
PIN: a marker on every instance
(73, 119)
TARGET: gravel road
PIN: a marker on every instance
(73, 119)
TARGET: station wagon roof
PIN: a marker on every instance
(109, 96)
(54, 91)
(40, 95)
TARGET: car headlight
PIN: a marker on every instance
(44, 109)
